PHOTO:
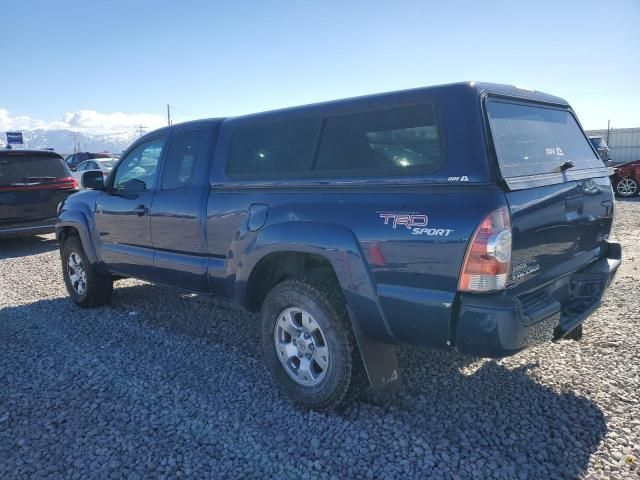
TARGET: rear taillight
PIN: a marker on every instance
(488, 258)
(66, 183)
(62, 183)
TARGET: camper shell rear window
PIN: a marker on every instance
(537, 140)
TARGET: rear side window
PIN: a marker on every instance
(394, 141)
(390, 141)
(25, 168)
(264, 150)
(180, 160)
(532, 140)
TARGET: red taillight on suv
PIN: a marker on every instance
(66, 183)
(62, 183)
(488, 258)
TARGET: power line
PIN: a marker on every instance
(173, 107)
(141, 129)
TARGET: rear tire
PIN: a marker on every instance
(626, 187)
(308, 343)
(87, 286)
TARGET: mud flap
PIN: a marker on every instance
(380, 362)
(575, 334)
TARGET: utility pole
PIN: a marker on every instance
(141, 129)
(608, 130)
(168, 115)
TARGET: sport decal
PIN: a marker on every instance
(416, 223)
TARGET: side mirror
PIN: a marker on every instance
(92, 180)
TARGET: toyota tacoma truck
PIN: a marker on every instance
(471, 216)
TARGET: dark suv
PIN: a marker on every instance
(32, 184)
(470, 216)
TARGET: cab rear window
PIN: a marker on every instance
(532, 140)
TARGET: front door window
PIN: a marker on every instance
(138, 171)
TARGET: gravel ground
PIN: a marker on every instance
(163, 384)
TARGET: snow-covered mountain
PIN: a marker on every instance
(62, 141)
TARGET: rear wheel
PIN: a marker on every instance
(87, 286)
(626, 187)
(308, 343)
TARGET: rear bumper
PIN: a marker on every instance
(500, 325)
(28, 228)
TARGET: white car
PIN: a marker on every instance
(102, 164)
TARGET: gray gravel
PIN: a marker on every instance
(170, 385)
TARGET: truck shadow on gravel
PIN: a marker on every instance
(16, 247)
(498, 418)
(190, 371)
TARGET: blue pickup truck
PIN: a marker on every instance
(469, 216)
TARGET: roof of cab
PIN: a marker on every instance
(190, 124)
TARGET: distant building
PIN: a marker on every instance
(624, 143)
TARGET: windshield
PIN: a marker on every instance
(108, 163)
(531, 140)
(25, 169)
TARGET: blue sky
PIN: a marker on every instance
(211, 58)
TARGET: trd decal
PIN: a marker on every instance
(416, 223)
(409, 220)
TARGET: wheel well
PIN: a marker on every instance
(277, 267)
(67, 232)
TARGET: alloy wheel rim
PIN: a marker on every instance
(627, 187)
(301, 346)
(77, 273)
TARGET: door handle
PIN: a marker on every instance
(141, 210)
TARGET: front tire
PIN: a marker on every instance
(308, 343)
(626, 187)
(87, 286)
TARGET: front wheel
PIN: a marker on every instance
(626, 187)
(87, 286)
(308, 343)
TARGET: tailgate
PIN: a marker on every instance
(559, 197)
(558, 228)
